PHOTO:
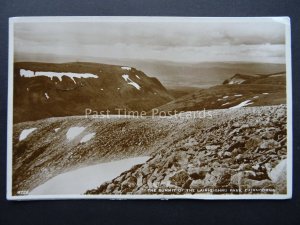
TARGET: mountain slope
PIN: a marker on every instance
(256, 90)
(273, 78)
(185, 152)
(237, 152)
(48, 147)
(44, 90)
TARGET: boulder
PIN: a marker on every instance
(236, 125)
(197, 173)
(212, 147)
(191, 142)
(245, 126)
(196, 184)
(268, 144)
(227, 154)
(253, 142)
(180, 178)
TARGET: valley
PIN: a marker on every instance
(240, 146)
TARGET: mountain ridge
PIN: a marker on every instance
(44, 90)
(255, 89)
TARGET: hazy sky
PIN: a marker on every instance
(164, 41)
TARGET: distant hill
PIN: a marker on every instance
(170, 74)
(273, 78)
(43, 90)
(237, 91)
(179, 91)
(204, 74)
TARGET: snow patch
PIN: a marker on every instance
(130, 82)
(87, 137)
(46, 95)
(26, 73)
(24, 134)
(277, 75)
(242, 104)
(238, 95)
(59, 75)
(101, 89)
(256, 97)
(126, 68)
(225, 96)
(74, 132)
(56, 129)
(137, 76)
(236, 81)
(80, 180)
(27, 89)
(265, 93)
(226, 103)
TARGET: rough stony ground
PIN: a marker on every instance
(241, 151)
(47, 152)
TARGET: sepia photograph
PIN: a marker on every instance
(149, 108)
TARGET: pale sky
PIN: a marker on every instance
(184, 42)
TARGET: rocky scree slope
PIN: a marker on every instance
(238, 149)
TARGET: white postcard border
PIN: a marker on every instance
(283, 20)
